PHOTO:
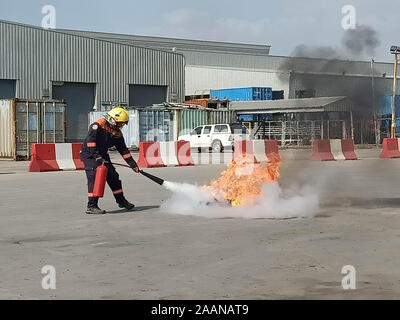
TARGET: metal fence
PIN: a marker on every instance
(301, 133)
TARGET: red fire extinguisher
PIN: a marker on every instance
(100, 181)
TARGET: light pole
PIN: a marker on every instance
(377, 129)
(394, 50)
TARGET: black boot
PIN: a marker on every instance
(126, 204)
(95, 210)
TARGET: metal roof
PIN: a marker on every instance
(174, 43)
(340, 103)
(243, 56)
(38, 57)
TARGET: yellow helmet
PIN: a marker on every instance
(117, 115)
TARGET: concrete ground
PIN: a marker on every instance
(148, 254)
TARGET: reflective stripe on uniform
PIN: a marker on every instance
(90, 195)
(127, 155)
(91, 144)
(117, 191)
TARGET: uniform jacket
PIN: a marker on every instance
(100, 138)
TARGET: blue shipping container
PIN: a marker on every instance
(243, 94)
(245, 117)
(385, 104)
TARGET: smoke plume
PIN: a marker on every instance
(273, 203)
(327, 76)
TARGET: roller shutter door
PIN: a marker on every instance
(146, 95)
(80, 98)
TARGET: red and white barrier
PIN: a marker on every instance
(260, 150)
(390, 148)
(161, 154)
(333, 149)
(55, 157)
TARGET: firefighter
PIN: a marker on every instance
(104, 134)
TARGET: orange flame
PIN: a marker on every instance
(242, 181)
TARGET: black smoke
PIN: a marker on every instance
(325, 74)
(359, 42)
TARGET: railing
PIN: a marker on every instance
(302, 133)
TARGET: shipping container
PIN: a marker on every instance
(221, 116)
(191, 118)
(246, 117)
(243, 94)
(157, 125)
(24, 122)
(130, 131)
(385, 104)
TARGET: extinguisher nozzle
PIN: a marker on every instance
(153, 178)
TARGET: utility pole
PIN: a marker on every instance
(377, 139)
(394, 50)
(373, 85)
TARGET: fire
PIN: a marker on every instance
(242, 181)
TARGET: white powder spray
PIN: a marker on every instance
(274, 202)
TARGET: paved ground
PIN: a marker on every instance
(148, 254)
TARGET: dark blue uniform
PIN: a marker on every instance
(100, 138)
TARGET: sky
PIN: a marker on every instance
(283, 24)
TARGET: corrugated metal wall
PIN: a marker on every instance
(178, 44)
(191, 118)
(221, 116)
(199, 80)
(283, 64)
(34, 57)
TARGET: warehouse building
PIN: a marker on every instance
(211, 65)
(355, 85)
(47, 64)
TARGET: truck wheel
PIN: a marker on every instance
(216, 146)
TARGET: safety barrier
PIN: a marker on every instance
(55, 157)
(164, 153)
(260, 150)
(333, 149)
(390, 148)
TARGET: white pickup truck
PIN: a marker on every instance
(216, 136)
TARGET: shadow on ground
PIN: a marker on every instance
(137, 209)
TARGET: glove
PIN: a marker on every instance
(99, 160)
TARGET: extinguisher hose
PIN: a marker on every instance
(146, 174)
(117, 164)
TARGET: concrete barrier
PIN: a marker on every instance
(55, 157)
(164, 153)
(260, 150)
(390, 148)
(333, 149)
